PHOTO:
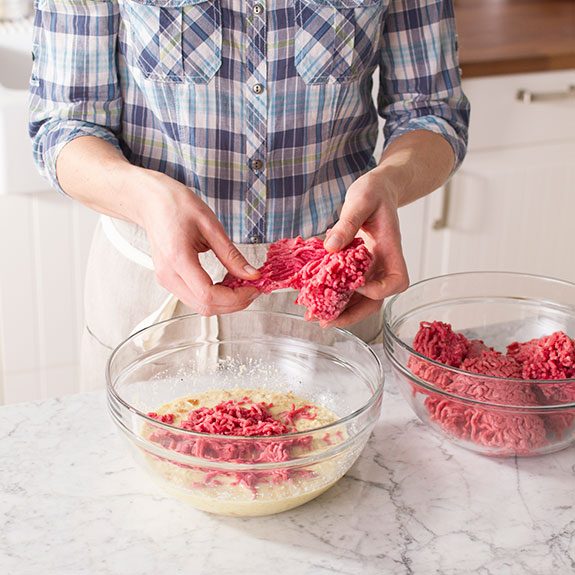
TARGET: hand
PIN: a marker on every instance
(370, 211)
(179, 227)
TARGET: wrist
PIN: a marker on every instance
(145, 191)
(387, 181)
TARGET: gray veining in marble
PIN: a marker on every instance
(72, 503)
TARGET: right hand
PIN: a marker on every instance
(179, 227)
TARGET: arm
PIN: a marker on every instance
(178, 224)
(75, 111)
(426, 137)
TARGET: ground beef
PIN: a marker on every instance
(510, 433)
(242, 418)
(551, 356)
(514, 432)
(326, 281)
(439, 342)
(501, 392)
(476, 348)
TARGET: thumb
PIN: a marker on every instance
(231, 257)
(353, 215)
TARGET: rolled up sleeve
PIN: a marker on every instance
(420, 79)
(74, 88)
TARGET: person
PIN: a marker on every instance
(203, 130)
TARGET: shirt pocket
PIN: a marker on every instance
(175, 40)
(336, 40)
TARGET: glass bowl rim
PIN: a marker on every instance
(113, 395)
(389, 332)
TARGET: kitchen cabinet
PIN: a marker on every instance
(510, 206)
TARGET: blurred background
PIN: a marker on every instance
(510, 207)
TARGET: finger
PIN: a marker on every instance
(355, 312)
(176, 285)
(391, 277)
(208, 295)
(379, 288)
(229, 254)
(356, 209)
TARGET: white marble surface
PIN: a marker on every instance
(72, 502)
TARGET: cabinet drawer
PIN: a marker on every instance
(499, 118)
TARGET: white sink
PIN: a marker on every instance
(18, 173)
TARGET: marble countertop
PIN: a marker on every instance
(72, 502)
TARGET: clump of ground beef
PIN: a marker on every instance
(550, 357)
(325, 280)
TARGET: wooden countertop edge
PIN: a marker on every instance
(517, 65)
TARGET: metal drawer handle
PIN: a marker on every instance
(527, 96)
(443, 221)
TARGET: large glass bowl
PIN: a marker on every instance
(191, 354)
(489, 415)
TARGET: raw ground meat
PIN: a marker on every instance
(511, 433)
(494, 364)
(243, 418)
(476, 348)
(520, 433)
(326, 281)
(550, 357)
(439, 342)
(434, 374)
(515, 432)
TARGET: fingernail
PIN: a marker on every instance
(360, 290)
(332, 243)
(250, 270)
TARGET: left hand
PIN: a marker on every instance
(370, 212)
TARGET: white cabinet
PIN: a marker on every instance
(510, 210)
(512, 204)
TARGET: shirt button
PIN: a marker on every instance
(258, 9)
(257, 165)
(258, 88)
(255, 239)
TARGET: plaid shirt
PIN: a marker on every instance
(263, 107)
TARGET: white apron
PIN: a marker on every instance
(122, 295)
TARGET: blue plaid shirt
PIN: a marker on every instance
(263, 107)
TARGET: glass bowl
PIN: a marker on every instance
(252, 350)
(489, 415)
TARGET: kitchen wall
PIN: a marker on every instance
(44, 242)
